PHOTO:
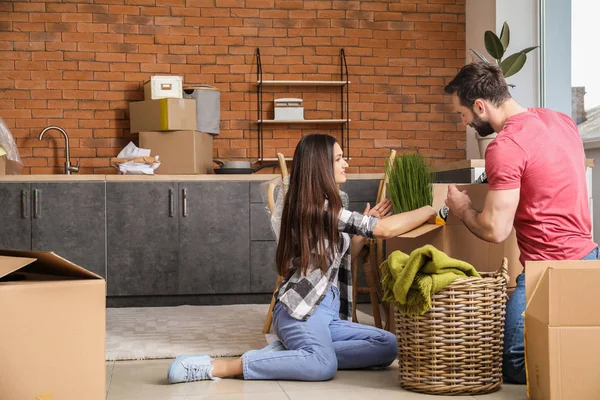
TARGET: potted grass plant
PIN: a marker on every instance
(410, 182)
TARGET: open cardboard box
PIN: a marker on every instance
(53, 318)
(562, 330)
(457, 241)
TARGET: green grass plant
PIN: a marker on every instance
(410, 182)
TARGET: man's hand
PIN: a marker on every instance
(458, 202)
(382, 210)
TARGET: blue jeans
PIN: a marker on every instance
(319, 346)
(513, 360)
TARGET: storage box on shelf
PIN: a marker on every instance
(288, 109)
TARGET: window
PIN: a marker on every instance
(585, 68)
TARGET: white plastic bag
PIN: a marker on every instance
(14, 165)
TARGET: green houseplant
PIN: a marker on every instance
(496, 48)
(410, 182)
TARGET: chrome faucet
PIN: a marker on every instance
(68, 167)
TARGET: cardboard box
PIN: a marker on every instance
(457, 241)
(162, 115)
(52, 340)
(180, 152)
(562, 330)
(3, 165)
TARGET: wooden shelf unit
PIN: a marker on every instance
(343, 84)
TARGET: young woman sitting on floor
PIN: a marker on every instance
(313, 305)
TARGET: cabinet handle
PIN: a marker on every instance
(184, 195)
(171, 203)
(36, 204)
(24, 203)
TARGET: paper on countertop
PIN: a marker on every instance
(132, 151)
(2, 151)
(135, 168)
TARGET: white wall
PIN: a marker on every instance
(522, 17)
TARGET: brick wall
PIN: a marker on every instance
(77, 64)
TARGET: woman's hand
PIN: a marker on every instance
(382, 210)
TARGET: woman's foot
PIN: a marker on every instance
(191, 368)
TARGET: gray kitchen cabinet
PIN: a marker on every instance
(263, 272)
(214, 237)
(142, 225)
(15, 203)
(68, 219)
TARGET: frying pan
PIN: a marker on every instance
(238, 167)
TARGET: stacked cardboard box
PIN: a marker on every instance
(167, 126)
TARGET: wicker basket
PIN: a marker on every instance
(455, 348)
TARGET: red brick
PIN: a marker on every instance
(62, 8)
(28, 27)
(245, 13)
(154, 11)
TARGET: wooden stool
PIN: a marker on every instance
(271, 204)
(372, 257)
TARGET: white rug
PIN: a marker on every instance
(166, 332)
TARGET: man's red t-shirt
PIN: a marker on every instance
(540, 152)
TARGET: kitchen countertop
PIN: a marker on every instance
(456, 165)
(153, 178)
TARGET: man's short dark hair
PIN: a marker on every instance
(479, 80)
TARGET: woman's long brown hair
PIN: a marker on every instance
(307, 222)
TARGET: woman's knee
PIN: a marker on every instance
(321, 365)
(389, 348)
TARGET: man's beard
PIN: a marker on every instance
(482, 127)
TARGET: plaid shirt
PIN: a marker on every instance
(301, 294)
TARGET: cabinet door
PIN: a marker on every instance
(143, 238)
(263, 271)
(68, 218)
(214, 238)
(15, 203)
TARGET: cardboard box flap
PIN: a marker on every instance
(421, 230)
(476, 192)
(564, 293)
(48, 263)
(538, 305)
(8, 265)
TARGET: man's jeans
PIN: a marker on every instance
(513, 362)
(319, 346)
